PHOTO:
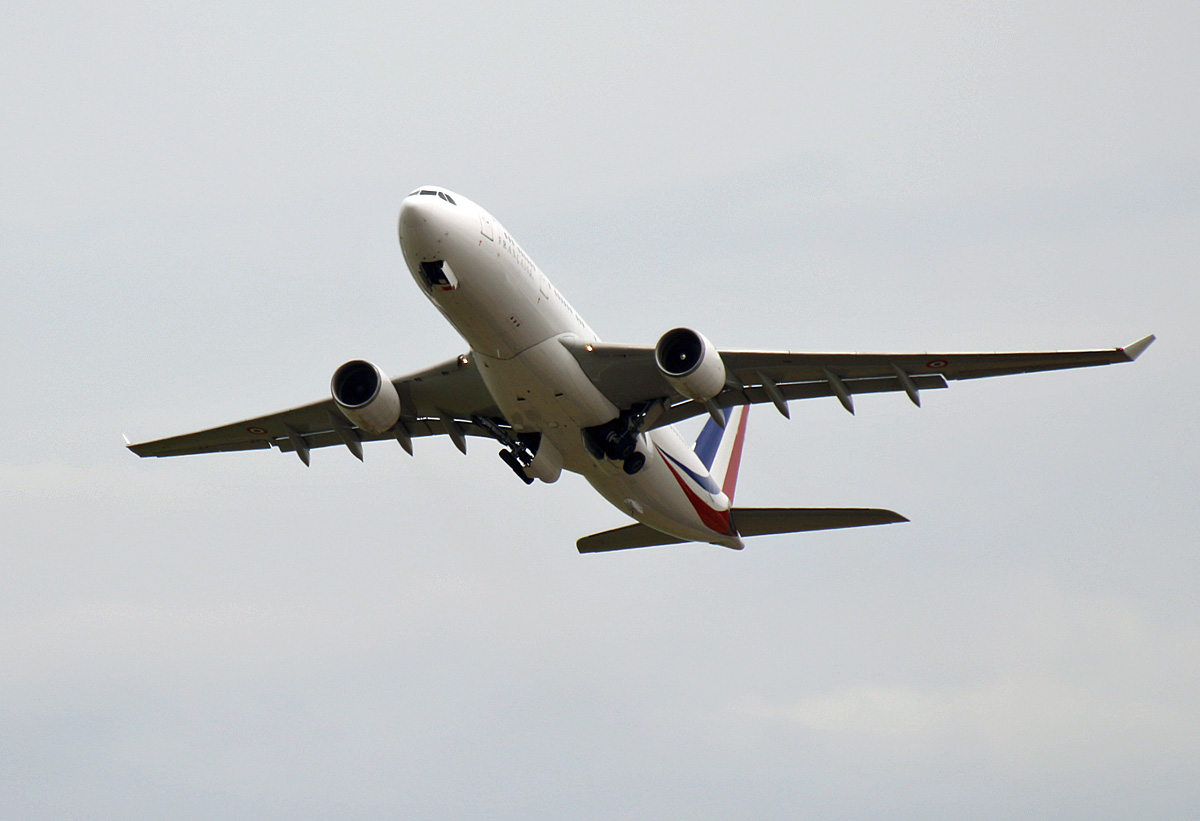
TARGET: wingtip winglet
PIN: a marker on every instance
(1135, 350)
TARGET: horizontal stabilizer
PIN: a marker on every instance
(763, 521)
(750, 521)
(623, 538)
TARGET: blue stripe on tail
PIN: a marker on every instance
(710, 439)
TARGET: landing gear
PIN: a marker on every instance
(634, 462)
(518, 453)
(617, 440)
(511, 460)
(619, 446)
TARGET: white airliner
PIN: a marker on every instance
(539, 381)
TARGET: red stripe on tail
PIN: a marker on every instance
(713, 519)
(735, 457)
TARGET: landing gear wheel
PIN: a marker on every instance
(619, 446)
(634, 463)
(511, 461)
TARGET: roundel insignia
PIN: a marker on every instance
(256, 430)
(936, 363)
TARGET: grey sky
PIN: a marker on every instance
(198, 224)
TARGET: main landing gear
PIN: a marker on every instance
(519, 452)
(634, 462)
(513, 461)
(617, 440)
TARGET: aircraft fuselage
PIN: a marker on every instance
(516, 323)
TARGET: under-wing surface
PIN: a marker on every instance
(537, 380)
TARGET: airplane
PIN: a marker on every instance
(540, 382)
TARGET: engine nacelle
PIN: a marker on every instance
(366, 397)
(690, 363)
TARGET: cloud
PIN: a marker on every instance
(1019, 721)
(1064, 680)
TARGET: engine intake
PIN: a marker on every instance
(690, 363)
(366, 396)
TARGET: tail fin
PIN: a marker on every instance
(720, 448)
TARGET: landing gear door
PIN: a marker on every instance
(438, 276)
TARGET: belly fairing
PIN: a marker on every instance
(544, 389)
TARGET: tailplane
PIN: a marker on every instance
(750, 521)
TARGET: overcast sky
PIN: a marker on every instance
(197, 224)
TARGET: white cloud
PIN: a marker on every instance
(1024, 723)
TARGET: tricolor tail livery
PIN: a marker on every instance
(720, 448)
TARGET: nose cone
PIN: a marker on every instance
(429, 218)
(420, 228)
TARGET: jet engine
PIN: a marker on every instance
(690, 363)
(365, 396)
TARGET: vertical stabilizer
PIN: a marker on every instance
(720, 448)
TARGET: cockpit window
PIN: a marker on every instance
(428, 193)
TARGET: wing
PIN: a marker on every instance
(445, 399)
(628, 375)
